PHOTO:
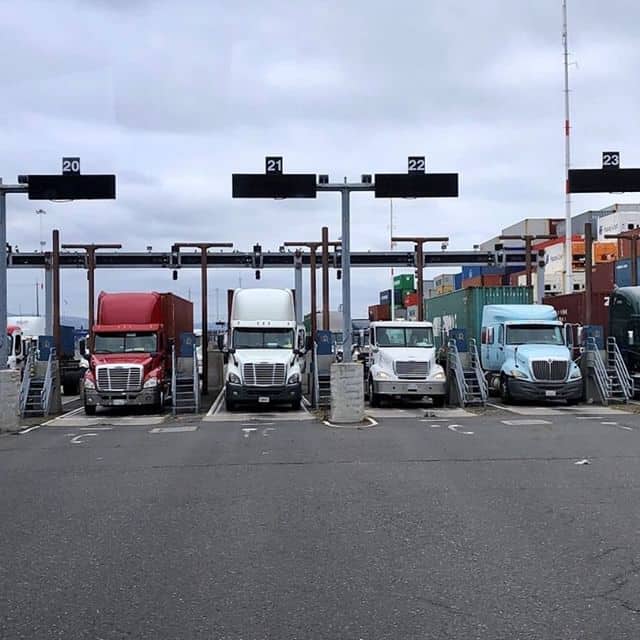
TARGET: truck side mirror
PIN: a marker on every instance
(82, 347)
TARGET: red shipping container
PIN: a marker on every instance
(379, 312)
(571, 308)
(410, 300)
(602, 277)
(487, 280)
(513, 277)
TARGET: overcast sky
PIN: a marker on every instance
(174, 97)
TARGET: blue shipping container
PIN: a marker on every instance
(471, 272)
(457, 281)
(460, 336)
(68, 341)
(623, 272)
(385, 296)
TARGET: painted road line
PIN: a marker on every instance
(619, 426)
(77, 439)
(524, 423)
(173, 429)
(527, 411)
(217, 403)
(64, 415)
(456, 429)
(371, 423)
(29, 429)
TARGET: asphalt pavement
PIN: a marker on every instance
(463, 526)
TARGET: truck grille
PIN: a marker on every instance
(116, 378)
(412, 369)
(556, 370)
(264, 375)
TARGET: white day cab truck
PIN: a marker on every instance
(264, 349)
(402, 362)
(526, 355)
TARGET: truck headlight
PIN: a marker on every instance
(382, 375)
(234, 379)
(294, 378)
(440, 375)
(518, 373)
(576, 374)
(89, 384)
(150, 383)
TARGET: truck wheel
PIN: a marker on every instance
(296, 404)
(89, 410)
(374, 398)
(438, 401)
(505, 396)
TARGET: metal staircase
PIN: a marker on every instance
(185, 384)
(38, 386)
(621, 381)
(467, 383)
(611, 379)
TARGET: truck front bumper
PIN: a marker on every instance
(527, 390)
(409, 388)
(286, 393)
(143, 398)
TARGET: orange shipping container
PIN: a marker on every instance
(487, 280)
(604, 252)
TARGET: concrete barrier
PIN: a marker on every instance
(9, 400)
(347, 393)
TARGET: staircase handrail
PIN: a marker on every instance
(196, 378)
(46, 395)
(174, 367)
(25, 383)
(477, 367)
(455, 363)
(603, 381)
(620, 366)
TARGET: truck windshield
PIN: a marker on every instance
(404, 337)
(125, 343)
(263, 339)
(534, 334)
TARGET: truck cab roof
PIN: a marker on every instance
(530, 313)
(400, 323)
(630, 295)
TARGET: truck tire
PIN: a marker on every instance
(438, 401)
(505, 395)
(89, 410)
(374, 398)
(296, 404)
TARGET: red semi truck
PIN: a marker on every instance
(130, 364)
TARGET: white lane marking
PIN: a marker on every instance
(29, 429)
(265, 432)
(370, 420)
(615, 424)
(524, 423)
(62, 417)
(455, 427)
(589, 417)
(96, 428)
(247, 431)
(585, 461)
(172, 429)
(250, 424)
(217, 403)
(77, 440)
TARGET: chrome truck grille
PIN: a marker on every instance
(264, 375)
(412, 369)
(555, 370)
(118, 378)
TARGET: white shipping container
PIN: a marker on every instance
(412, 312)
(444, 279)
(554, 282)
(617, 223)
(554, 255)
(528, 226)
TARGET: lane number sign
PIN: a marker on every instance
(273, 164)
(417, 164)
(71, 166)
(610, 159)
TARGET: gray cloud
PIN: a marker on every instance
(175, 100)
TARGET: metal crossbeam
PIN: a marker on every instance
(239, 260)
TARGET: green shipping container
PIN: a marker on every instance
(404, 282)
(462, 309)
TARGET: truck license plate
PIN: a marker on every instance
(263, 399)
(550, 393)
(119, 403)
(412, 388)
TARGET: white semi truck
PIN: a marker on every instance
(264, 349)
(402, 362)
